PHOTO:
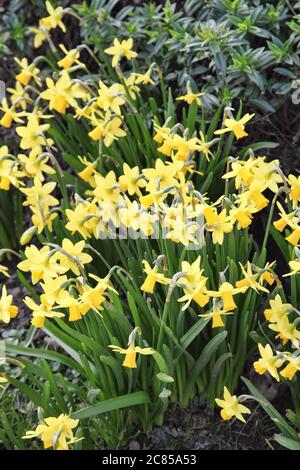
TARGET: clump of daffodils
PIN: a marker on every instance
(162, 198)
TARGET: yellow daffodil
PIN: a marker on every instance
(18, 96)
(182, 232)
(120, 50)
(54, 289)
(78, 218)
(218, 224)
(190, 97)
(33, 134)
(204, 146)
(54, 19)
(90, 298)
(226, 292)
(131, 353)
(39, 195)
(286, 330)
(40, 34)
(10, 114)
(77, 309)
(40, 264)
(74, 251)
(42, 217)
(7, 310)
(55, 432)
(9, 172)
(294, 194)
(198, 294)
(131, 87)
(107, 188)
(250, 279)
(236, 126)
(111, 97)
(41, 311)
(162, 133)
(267, 362)
(63, 94)
(161, 176)
(255, 195)
(28, 71)
(89, 169)
(295, 268)
(294, 236)
(179, 148)
(284, 219)
(216, 316)
(242, 171)
(71, 57)
(193, 274)
(292, 367)
(144, 78)
(277, 309)
(242, 214)
(231, 407)
(107, 129)
(35, 164)
(153, 276)
(131, 180)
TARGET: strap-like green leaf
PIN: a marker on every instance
(133, 399)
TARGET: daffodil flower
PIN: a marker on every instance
(216, 316)
(153, 276)
(189, 98)
(295, 268)
(292, 367)
(294, 194)
(63, 94)
(267, 362)
(54, 19)
(7, 310)
(285, 219)
(41, 311)
(28, 71)
(294, 236)
(107, 129)
(286, 331)
(40, 264)
(111, 97)
(277, 310)
(218, 224)
(231, 407)
(226, 292)
(120, 50)
(10, 114)
(40, 34)
(250, 279)
(131, 180)
(55, 432)
(33, 134)
(131, 353)
(236, 126)
(74, 251)
(198, 294)
(71, 57)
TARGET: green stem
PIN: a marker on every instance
(162, 326)
(264, 245)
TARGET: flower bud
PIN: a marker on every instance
(27, 235)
